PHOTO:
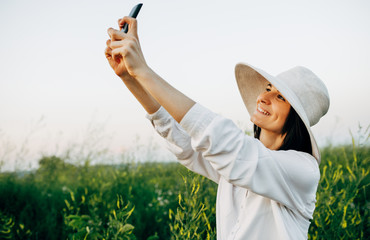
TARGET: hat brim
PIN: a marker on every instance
(253, 81)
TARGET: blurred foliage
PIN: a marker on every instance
(162, 200)
(6, 226)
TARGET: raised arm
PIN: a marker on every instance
(145, 99)
(125, 55)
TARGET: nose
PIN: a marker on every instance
(264, 98)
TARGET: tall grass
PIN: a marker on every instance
(162, 200)
(342, 209)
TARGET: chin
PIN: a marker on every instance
(256, 121)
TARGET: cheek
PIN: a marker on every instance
(284, 113)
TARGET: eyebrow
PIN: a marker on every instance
(270, 85)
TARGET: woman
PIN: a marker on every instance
(267, 184)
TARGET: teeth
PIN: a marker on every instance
(262, 111)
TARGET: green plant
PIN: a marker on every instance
(10, 230)
(342, 208)
(118, 228)
(190, 221)
(90, 225)
(6, 226)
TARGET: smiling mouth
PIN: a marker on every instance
(259, 109)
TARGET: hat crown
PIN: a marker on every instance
(309, 90)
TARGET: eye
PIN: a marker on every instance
(268, 89)
(281, 97)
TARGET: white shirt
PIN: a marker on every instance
(262, 193)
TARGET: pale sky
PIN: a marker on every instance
(57, 89)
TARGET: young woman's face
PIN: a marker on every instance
(272, 110)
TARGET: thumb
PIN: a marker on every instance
(132, 25)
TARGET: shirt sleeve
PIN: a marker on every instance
(289, 177)
(179, 143)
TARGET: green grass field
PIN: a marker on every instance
(162, 200)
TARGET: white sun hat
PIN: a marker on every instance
(305, 92)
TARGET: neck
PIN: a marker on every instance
(271, 140)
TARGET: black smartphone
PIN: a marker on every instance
(134, 12)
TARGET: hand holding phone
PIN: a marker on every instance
(134, 12)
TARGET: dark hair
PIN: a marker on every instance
(297, 137)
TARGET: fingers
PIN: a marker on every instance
(108, 52)
(114, 44)
(129, 42)
(108, 49)
(132, 23)
(118, 44)
(115, 34)
(112, 54)
(119, 35)
(117, 54)
(115, 49)
(108, 42)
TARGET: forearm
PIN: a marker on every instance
(175, 102)
(145, 99)
(125, 56)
